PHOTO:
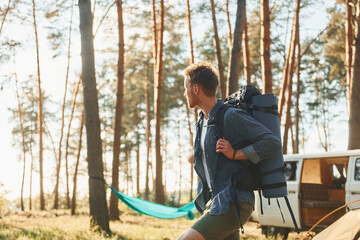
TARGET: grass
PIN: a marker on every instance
(60, 225)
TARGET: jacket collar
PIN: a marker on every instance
(213, 111)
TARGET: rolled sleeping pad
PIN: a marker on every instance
(271, 121)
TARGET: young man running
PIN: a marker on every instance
(217, 159)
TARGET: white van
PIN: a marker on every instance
(317, 184)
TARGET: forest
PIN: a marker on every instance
(94, 91)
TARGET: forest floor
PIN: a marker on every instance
(61, 225)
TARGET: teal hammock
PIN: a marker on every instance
(155, 209)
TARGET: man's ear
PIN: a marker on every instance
(196, 88)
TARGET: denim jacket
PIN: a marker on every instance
(243, 132)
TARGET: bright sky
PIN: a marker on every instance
(53, 70)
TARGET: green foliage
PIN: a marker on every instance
(28, 100)
(323, 91)
(334, 49)
(59, 14)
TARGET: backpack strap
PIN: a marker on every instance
(292, 214)
(271, 109)
(280, 169)
(282, 215)
(273, 185)
(261, 205)
(219, 118)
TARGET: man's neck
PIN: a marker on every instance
(206, 105)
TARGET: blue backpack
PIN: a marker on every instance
(268, 176)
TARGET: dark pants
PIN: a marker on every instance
(225, 226)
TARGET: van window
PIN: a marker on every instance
(291, 171)
(357, 169)
(338, 175)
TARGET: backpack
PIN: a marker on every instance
(268, 176)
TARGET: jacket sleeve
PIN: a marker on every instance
(263, 143)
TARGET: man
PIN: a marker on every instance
(217, 159)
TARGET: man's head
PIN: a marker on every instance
(200, 77)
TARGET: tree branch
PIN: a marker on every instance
(6, 12)
(313, 40)
(102, 19)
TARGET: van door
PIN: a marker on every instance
(353, 182)
(272, 214)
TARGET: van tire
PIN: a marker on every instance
(277, 232)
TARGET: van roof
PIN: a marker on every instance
(322, 155)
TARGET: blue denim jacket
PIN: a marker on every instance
(243, 132)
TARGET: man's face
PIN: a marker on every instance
(189, 93)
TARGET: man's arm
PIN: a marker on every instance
(264, 142)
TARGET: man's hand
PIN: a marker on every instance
(225, 147)
(191, 159)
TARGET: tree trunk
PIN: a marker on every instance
(73, 200)
(73, 104)
(136, 118)
(282, 97)
(349, 50)
(127, 157)
(265, 47)
(155, 38)
(287, 126)
(235, 54)
(188, 14)
(159, 191)
(114, 210)
(246, 51)
(354, 119)
(148, 131)
(218, 52)
(292, 137)
(229, 45)
(97, 196)
(298, 92)
(188, 17)
(164, 149)
(293, 45)
(191, 146)
(20, 113)
(180, 163)
(104, 147)
(40, 113)
(47, 131)
(56, 200)
(229, 25)
(31, 174)
(289, 61)
(32, 140)
(320, 110)
(324, 126)
(125, 165)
